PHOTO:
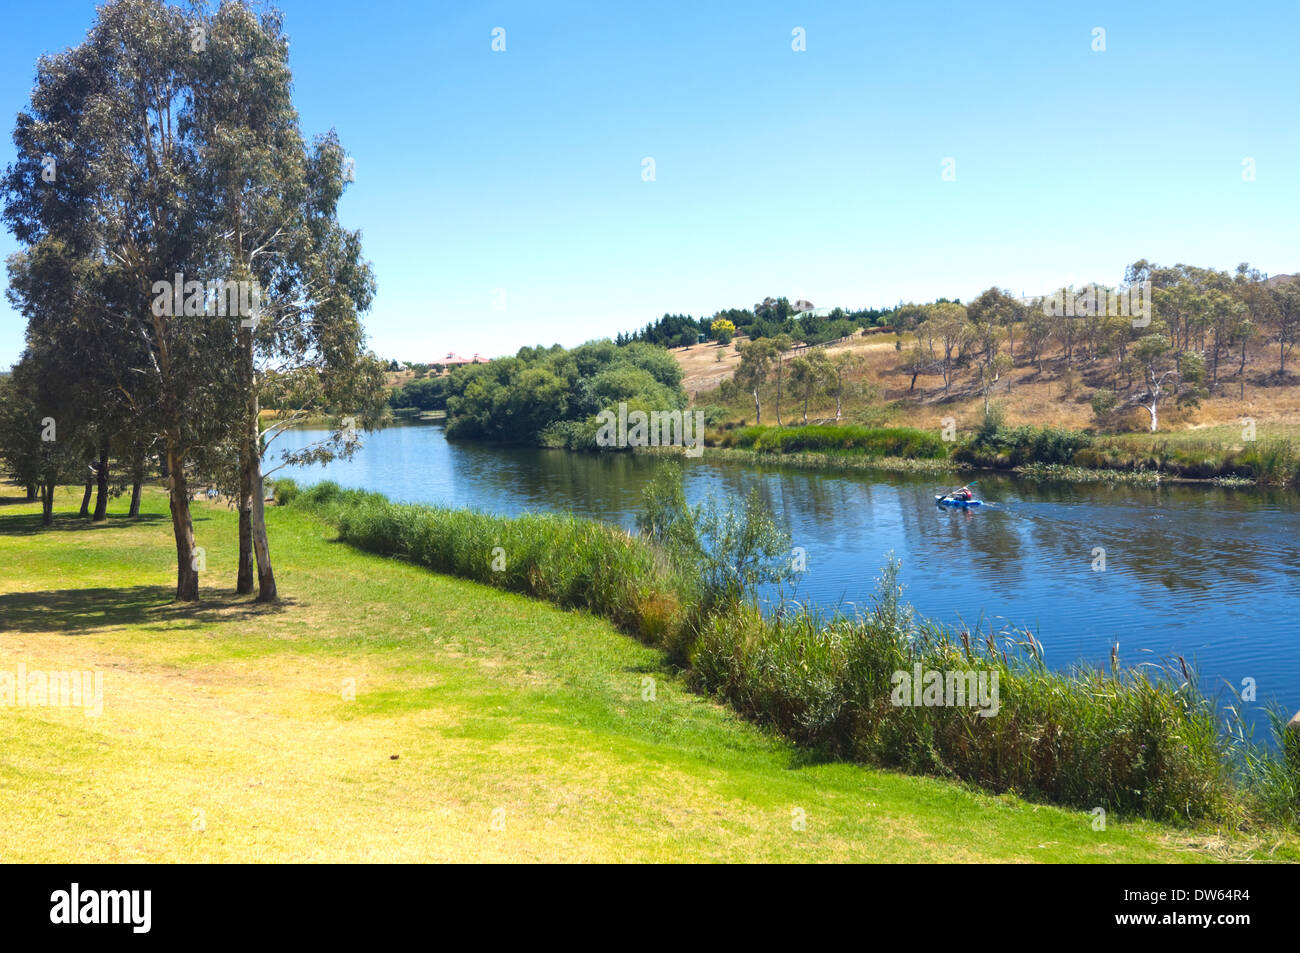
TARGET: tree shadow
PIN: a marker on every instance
(79, 611)
(29, 524)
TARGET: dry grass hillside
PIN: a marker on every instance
(882, 393)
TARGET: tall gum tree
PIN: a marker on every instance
(115, 115)
(273, 220)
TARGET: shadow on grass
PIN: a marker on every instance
(29, 524)
(78, 611)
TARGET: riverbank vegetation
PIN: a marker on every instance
(1033, 451)
(386, 713)
(1136, 741)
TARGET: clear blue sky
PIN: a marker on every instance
(811, 174)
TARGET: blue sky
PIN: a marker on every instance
(813, 174)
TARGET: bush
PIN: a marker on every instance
(732, 548)
(998, 446)
(1104, 403)
(285, 491)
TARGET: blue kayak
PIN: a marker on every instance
(949, 501)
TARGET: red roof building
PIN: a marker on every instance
(455, 360)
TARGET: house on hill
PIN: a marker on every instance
(455, 360)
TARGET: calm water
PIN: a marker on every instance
(1211, 574)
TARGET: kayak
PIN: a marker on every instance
(949, 501)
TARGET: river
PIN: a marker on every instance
(1211, 574)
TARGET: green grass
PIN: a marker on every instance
(829, 438)
(234, 715)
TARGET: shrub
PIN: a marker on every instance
(998, 446)
(1104, 403)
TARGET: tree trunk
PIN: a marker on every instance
(85, 498)
(778, 390)
(250, 480)
(758, 411)
(244, 575)
(266, 591)
(137, 482)
(32, 491)
(101, 480)
(47, 502)
(244, 580)
(187, 572)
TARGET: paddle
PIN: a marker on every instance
(960, 488)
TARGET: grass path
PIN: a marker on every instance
(485, 727)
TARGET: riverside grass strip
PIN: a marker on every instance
(1137, 741)
(229, 733)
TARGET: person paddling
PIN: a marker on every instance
(963, 494)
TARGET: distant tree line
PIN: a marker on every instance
(767, 319)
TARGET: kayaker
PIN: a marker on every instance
(964, 494)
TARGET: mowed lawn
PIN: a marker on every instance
(383, 713)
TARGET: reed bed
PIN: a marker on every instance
(824, 438)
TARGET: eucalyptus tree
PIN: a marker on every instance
(272, 219)
(1286, 319)
(39, 440)
(756, 358)
(1226, 317)
(108, 163)
(947, 325)
(992, 310)
(780, 343)
(811, 373)
(1166, 372)
(845, 362)
(59, 293)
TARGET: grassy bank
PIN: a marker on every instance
(816, 461)
(484, 726)
(1135, 741)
